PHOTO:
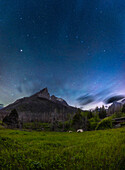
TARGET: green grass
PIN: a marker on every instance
(102, 149)
(37, 126)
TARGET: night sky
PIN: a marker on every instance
(73, 47)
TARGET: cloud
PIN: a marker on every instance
(86, 99)
(113, 99)
(91, 97)
(29, 86)
(102, 94)
(19, 88)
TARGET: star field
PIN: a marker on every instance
(74, 47)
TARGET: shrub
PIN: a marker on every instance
(118, 115)
(106, 123)
(79, 121)
(2, 127)
(67, 125)
(36, 126)
(92, 123)
(122, 124)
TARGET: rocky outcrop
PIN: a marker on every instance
(58, 100)
(123, 101)
(115, 107)
(40, 107)
(44, 94)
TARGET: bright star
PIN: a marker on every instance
(21, 50)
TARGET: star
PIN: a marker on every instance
(21, 50)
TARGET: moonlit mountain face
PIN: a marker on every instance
(74, 47)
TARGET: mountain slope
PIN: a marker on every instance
(40, 107)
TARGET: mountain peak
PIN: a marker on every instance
(45, 90)
(44, 93)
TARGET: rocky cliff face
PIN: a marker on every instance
(58, 100)
(115, 107)
(43, 94)
(40, 107)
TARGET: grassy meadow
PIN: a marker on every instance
(102, 149)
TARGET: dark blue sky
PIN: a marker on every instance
(73, 47)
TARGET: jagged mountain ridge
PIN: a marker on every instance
(40, 107)
(45, 94)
